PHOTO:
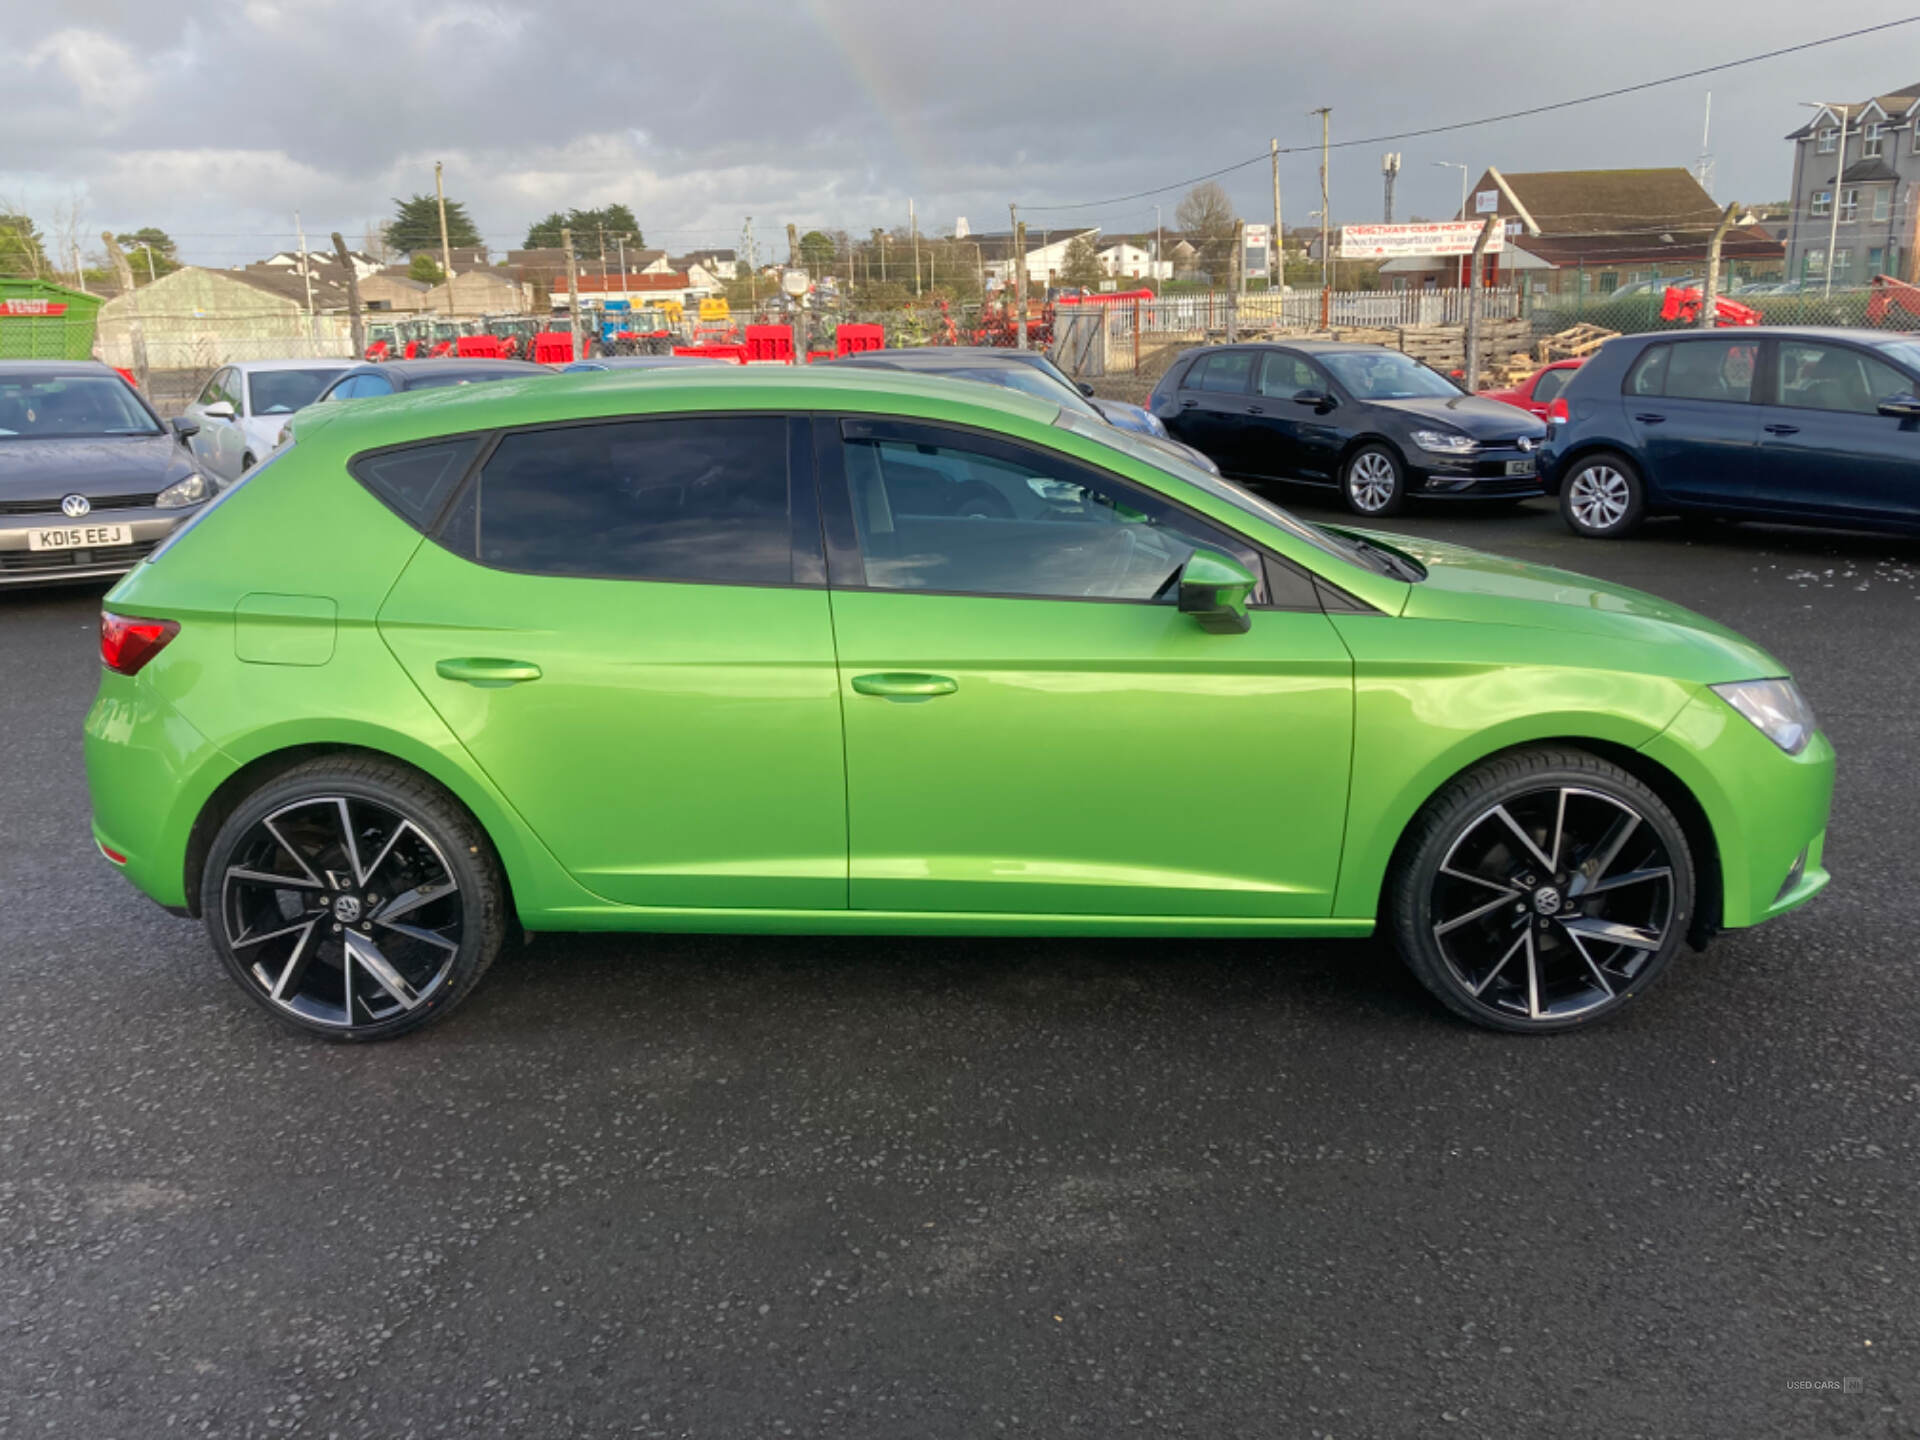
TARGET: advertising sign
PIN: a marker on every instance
(1391, 242)
(33, 307)
(1486, 202)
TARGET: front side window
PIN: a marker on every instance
(1006, 521)
(1227, 371)
(211, 392)
(1835, 377)
(1712, 370)
(1284, 374)
(699, 499)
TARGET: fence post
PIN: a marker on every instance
(355, 328)
(1710, 284)
(1473, 304)
(136, 332)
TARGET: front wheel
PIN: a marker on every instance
(1541, 891)
(353, 898)
(1374, 482)
(1603, 498)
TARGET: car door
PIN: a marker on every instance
(1296, 437)
(618, 624)
(1689, 403)
(1032, 726)
(1211, 413)
(1826, 451)
(214, 446)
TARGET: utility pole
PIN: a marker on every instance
(573, 291)
(1236, 280)
(1325, 112)
(1710, 288)
(1473, 304)
(355, 328)
(1279, 251)
(1390, 168)
(446, 250)
(306, 270)
(1019, 278)
(913, 226)
(79, 275)
(136, 332)
(1833, 209)
(1157, 280)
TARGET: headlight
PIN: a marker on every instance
(1445, 442)
(1777, 709)
(1155, 425)
(190, 491)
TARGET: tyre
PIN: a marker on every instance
(246, 463)
(1603, 497)
(1374, 482)
(1541, 891)
(353, 898)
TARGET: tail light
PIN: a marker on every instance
(1557, 412)
(127, 644)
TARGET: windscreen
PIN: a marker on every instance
(57, 406)
(281, 392)
(1386, 375)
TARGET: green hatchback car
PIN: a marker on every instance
(866, 653)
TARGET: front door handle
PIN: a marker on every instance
(487, 672)
(1651, 419)
(1255, 410)
(1783, 429)
(904, 685)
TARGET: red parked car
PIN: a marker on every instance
(1538, 390)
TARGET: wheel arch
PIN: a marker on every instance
(1360, 442)
(1585, 449)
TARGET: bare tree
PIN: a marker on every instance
(1205, 214)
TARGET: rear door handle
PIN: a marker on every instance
(1783, 429)
(1255, 410)
(904, 685)
(1188, 404)
(487, 672)
(1651, 419)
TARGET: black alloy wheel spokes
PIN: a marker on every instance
(1551, 903)
(342, 911)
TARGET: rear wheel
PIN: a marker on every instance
(1542, 891)
(353, 898)
(1603, 497)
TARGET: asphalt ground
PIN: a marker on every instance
(878, 1187)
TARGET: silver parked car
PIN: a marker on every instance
(243, 408)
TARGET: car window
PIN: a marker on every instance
(692, 499)
(211, 391)
(1712, 370)
(1013, 522)
(360, 386)
(443, 382)
(1649, 373)
(1835, 377)
(1550, 384)
(69, 406)
(1388, 375)
(281, 392)
(417, 480)
(1227, 371)
(1285, 374)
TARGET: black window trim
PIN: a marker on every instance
(847, 568)
(1863, 351)
(1253, 354)
(1760, 393)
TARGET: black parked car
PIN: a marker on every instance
(390, 377)
(1817, 427)
(90, 479)
(1370, 420)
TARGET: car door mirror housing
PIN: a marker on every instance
(1318, 399)
(1214, 589)
(1901, 407)
(184, 429)
(219, 410)
(1084, 388)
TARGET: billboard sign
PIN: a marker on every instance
(1393, 242)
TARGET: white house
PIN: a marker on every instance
(1046, 253)
(1125, 260)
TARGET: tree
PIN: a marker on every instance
(1082, 265)
(21, 249)
(424, 267)
(1206, 216)
(150, 253)
(609, 226)
(816, 251)
(416, 225)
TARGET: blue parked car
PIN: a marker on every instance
(1806, 426)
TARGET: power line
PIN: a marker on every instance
(1492, 119)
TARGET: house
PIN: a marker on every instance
(473, 293)
(1046, 252)
(1589, 232)
(363, 263)
(1856, 197)
(1131, 257)
(721, 264)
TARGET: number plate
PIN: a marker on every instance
(1519, 467)
(77, 537)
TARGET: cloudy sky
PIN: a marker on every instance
(218, 123)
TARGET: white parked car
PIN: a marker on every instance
(245, 405)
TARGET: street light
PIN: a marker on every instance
(1456, 165)
(1833, 196)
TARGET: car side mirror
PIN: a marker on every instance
(219, 410)
(1319, 399)
(1901, 407)
(1085, 388)
(1214, 589)
(184, 429)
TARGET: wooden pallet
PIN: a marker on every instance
(1574, 343)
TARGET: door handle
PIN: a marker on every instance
(487, 672)
(1783, 429)
(1188, 404)
(1255, 410)
(904, 685)
(1651, 419)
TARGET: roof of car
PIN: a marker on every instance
(320, 363)
(1791, 332)
(933, 357)
(642, 362)
(42, 367)
(454, 363)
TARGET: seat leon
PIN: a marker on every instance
(826, 652)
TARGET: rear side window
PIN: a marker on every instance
(1697, 370)
(1549, 385)
(1649, 374)
(417, 480)
(1227, 371)
(689, 499)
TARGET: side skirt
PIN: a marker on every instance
(909, 922)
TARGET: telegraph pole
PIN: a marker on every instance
(573, 290)
(1325, 112)
(1390, 169)
(355, 327)
(1279, 253)
(446, 250)
(913, 225)
(1473, 305)
(1020, 277)
(306, 270)
(136, 331)
(1710, 287)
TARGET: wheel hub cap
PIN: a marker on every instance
(1546, 900)
(346, 909)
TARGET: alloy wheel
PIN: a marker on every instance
(342, 911)
(1371, 481)
(1599, 497)
(1552, 903)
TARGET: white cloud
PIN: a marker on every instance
(102, 71)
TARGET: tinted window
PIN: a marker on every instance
(1007, 522)
(1649, 373)
(1834, 377)
(442, 382)
(1287, 374)
(1227, 371)
(417, 480)
(281, 392)
(1550, 384)
(359, 386)
(1712, 370)
(70, 405)
(680, 499)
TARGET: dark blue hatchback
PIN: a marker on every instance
(1814, 427)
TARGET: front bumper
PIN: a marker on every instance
(22, 565)
(1479, 476)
